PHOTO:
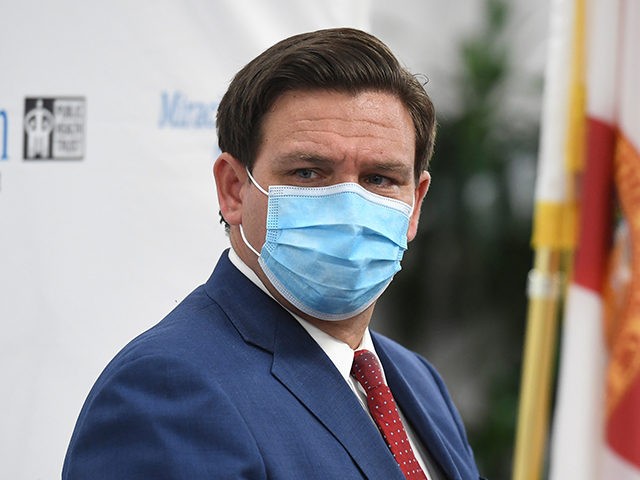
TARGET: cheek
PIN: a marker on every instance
(411, 231)
(254, 216)
(413, 224)
(420, 193)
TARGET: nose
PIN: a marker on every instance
(347, 171)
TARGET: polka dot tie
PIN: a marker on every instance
(366, 370)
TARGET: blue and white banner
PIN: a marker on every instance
(108, 212)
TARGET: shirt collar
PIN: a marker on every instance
(340, 354)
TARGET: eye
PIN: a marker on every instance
(379, 180)
(305, 173)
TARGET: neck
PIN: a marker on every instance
(349, 331)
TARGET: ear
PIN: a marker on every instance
(230, 177)
(421, 191)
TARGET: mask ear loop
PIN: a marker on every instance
(253, 180)
(246, 242)
(244, 238)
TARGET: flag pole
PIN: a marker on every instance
(544, 287)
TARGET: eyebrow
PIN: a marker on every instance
(391, 166)
(311, 158)
(322, 161)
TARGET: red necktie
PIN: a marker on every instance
(366, 370)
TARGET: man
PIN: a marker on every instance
(269, 369)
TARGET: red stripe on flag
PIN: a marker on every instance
(623, 425)
(596, 207)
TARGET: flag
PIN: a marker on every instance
(622, 427)
(596, 432)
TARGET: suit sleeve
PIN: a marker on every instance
(160, 418)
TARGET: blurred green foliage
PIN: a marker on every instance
(460, 299)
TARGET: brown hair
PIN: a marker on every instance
(340, 59)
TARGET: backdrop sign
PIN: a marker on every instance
(108, 214)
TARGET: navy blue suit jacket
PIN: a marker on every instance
(230, 386)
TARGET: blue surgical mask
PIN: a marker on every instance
(331, 251)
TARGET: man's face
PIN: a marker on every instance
(320, 138)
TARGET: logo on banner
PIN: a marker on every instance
(178, 111)
(54, 128)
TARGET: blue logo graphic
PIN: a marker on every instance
(4, 133)
(178, 111)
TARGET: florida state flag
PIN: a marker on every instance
(596, 431)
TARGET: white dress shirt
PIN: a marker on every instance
(341, 355)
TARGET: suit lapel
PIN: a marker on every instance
(303, 368)
(418, 414)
